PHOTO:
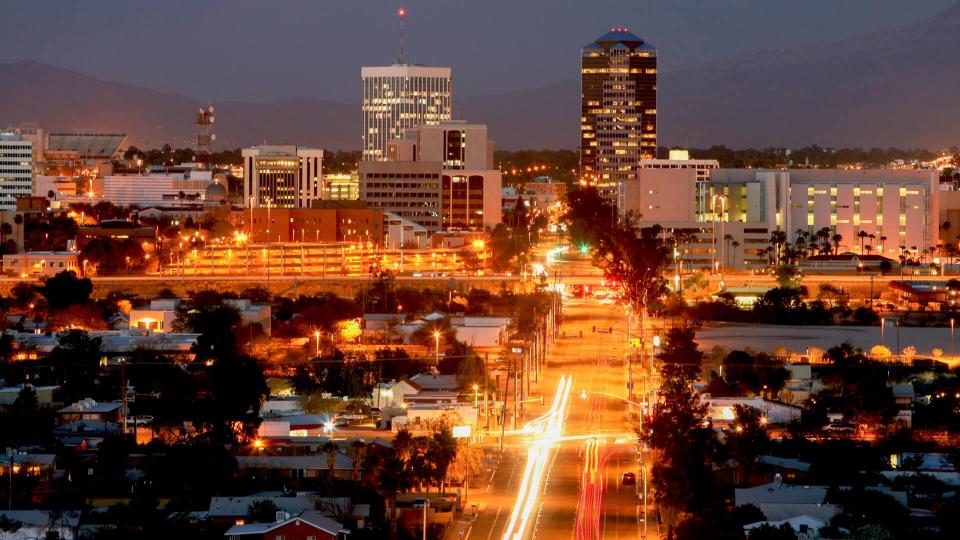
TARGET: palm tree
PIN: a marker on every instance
(357, 451)
(5, 229)
(837, 238)
(735, 245)
(861, 236)
(403, 443)
(330, 448)
(882, 240)
(823, 235)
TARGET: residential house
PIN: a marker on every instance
(779, 501)
(90, 410)
(309, 525)
(295, 468)
(769, 468)
(393, 394)
(232, 509)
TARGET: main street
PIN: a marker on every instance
(579, 493)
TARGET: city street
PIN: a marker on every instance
(581, 493)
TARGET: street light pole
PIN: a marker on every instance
(317, 335)
(436, 338)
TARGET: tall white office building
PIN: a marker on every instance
(282, 176)
(16, 169)
(398, 98)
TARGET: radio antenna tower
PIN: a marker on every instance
(402, 13)
(205, 136)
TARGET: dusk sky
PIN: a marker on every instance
(263, 50)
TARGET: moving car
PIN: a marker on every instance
(629, 479)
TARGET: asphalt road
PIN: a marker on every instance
(581, 494)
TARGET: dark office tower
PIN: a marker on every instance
(618, 94)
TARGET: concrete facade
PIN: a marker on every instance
(282, 176)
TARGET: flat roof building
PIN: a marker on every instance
(282, 176)
(439, 177)
(16, 169)
(398, 98)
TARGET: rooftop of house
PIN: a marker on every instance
(91, 406)
(311, 518)
(435, 381)
(775, 492)
(784, 463)
(238, 506)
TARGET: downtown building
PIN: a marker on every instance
(618, 121)
(439, 177)
(399, 98)
(16, 169)
(282, 176)
(895, 210)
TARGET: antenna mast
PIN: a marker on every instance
(205, 136)
(402, 13)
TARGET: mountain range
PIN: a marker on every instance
(891, 88)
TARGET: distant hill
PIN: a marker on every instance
(895, 88)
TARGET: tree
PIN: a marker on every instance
(747, 440)
(262, 511)
(683, 445)
(440, 454)
(357, 451)
(238, 389)
(680, 355)
(769, 532)
(330, 449)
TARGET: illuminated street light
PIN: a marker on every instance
(436, 338)
(317, 336)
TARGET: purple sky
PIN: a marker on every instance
(264, 50)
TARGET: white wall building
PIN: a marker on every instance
(398, 98)
(16, 169)
(282, 176)
(167, 189)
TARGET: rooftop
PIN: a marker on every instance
(783, 494)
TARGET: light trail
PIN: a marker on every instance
(549, 427)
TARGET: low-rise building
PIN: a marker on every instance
(780, 501)
(309, 525)
(723, 409)
(90, 410)
(328, 222)
(158, 316)
(41, 263)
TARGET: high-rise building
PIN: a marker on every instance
(282, 176)
(398, 98)
(16, 169)
(618, 122)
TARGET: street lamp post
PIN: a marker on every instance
(436, 339)
(317, 336)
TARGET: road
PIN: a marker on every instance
(576, 484)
